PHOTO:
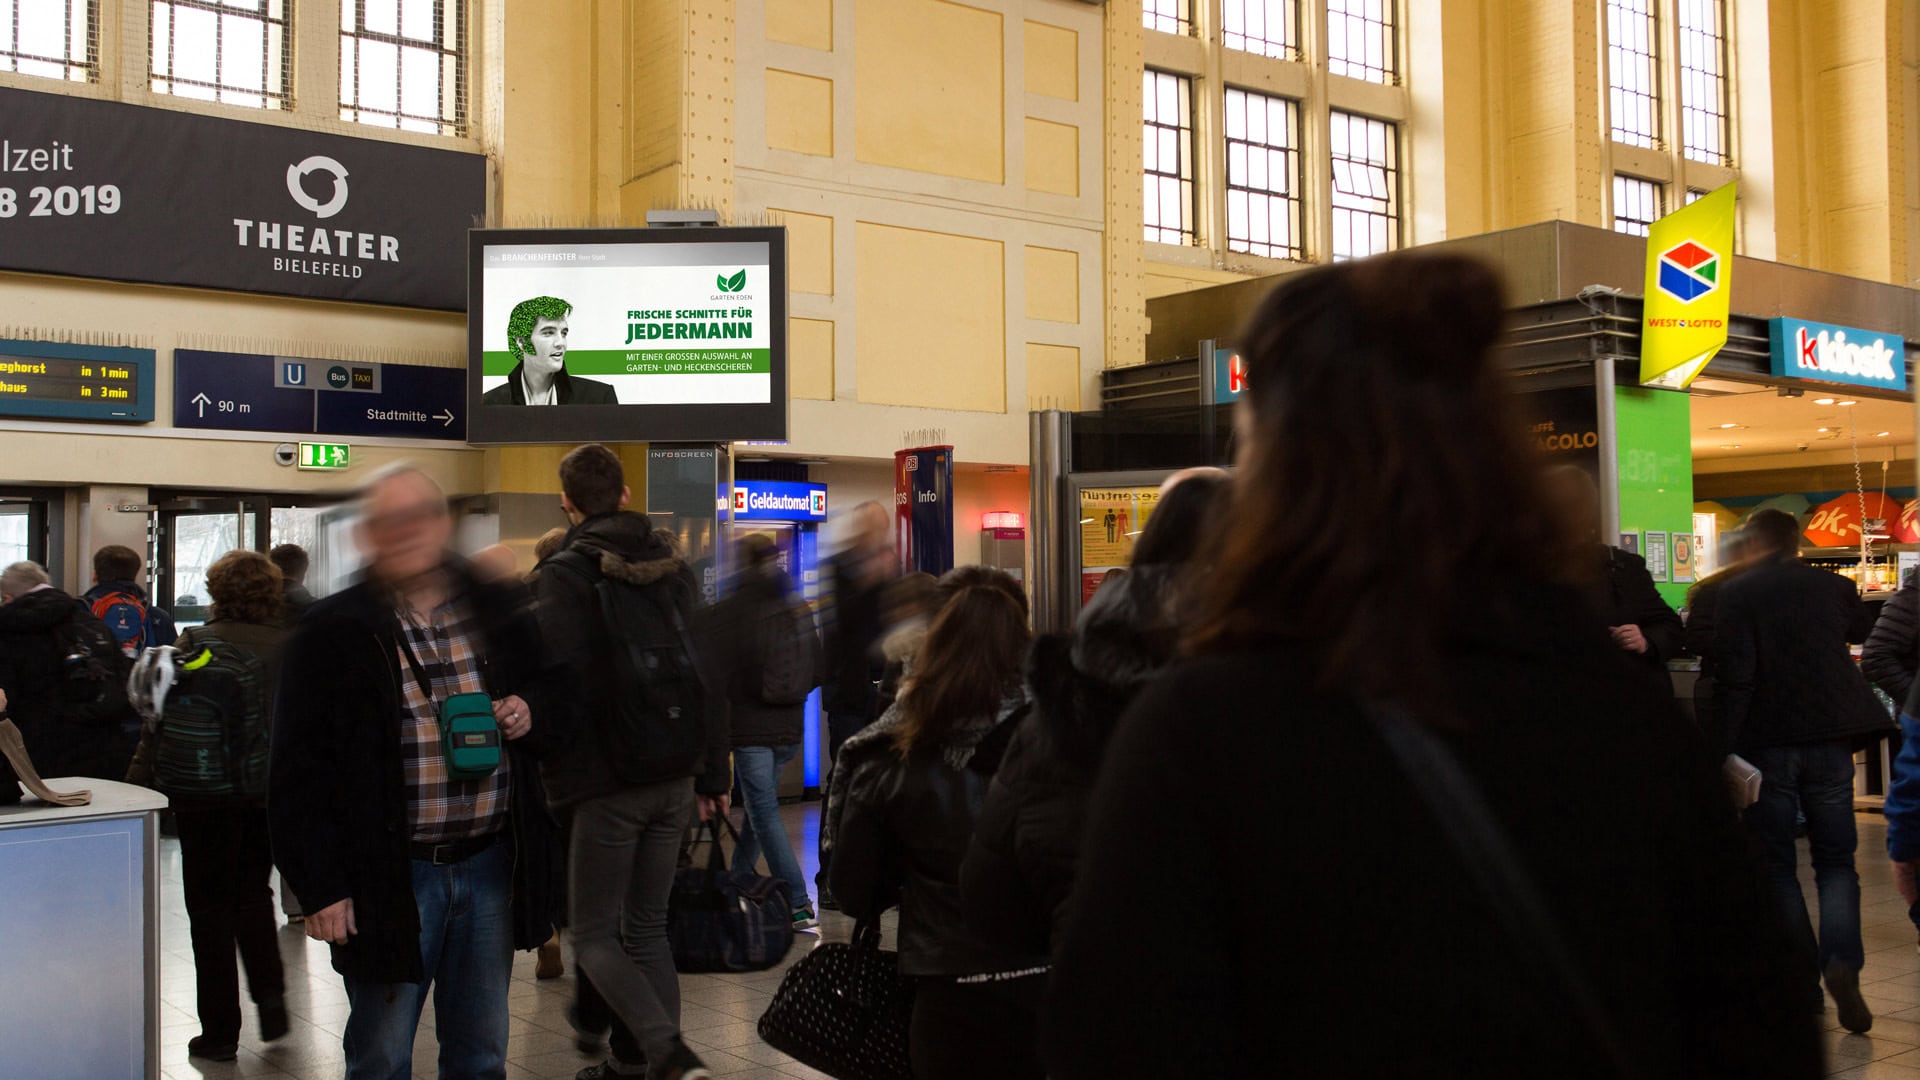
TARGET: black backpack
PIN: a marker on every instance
(656, 726)
(211, 741)
(789, 655)
(93, 670)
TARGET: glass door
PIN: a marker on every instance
(190, 535)
(23, 530)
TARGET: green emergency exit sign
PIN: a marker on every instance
(325, 455)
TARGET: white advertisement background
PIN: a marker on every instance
(601, 297)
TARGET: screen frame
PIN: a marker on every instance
(716, 423)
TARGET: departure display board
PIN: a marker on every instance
(51, 380)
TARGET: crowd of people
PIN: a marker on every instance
(1295, 793)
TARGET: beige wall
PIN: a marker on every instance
(938, 166)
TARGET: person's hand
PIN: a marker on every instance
(712, 806)
(1906, 877)
(1630, 638)
(3, 703)
(333, 924)
(513, 716)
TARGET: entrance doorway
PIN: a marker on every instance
(191, 531)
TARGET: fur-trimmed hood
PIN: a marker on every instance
(627, 548)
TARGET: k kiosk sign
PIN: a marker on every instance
(1837, 354)
(133, 193)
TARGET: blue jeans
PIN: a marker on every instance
(466, 949)
(1817, 778)
(757, 768)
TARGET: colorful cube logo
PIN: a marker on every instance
(1689, 272)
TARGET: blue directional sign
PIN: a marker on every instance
(235, 392)
(412, 403)
(301, 396)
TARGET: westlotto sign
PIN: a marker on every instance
(1838, 354)
(779, 500)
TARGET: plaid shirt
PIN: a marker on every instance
(441, 808)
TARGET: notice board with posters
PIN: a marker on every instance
(1112, 517)
(135, 193)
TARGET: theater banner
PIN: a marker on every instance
(134, 193)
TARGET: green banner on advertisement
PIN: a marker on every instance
(1689, 283)
(650, 362)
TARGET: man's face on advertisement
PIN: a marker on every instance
(545, 349)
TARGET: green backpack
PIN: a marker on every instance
(211, 741)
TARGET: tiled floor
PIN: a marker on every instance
(720, 1010)
(717, 1016)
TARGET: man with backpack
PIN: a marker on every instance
(406, 805)
(64, 677)
(640, 745)
(117, 600)
(771, 655)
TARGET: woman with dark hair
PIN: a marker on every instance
(1020, 866)
(944, 589)
(910, 806)
(226, 858)
(1405, 812)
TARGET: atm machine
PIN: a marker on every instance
(789, 513)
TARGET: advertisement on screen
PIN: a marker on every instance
(627, 335)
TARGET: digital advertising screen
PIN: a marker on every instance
(627, 335)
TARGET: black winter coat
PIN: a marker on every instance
(1786, 676)
(1630, 599)
(1892, 658)
(761, 606)
(1020, 866)
(337, 795)
(622, 546)
(853, 637)
(903, 832)
(1269, 829)
(62, 740)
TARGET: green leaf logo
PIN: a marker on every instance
(732, 284)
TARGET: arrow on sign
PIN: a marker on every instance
(445, 416)
(201, 399)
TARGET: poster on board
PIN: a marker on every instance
(1685, 552)
(1111, 519)
(1657, 557)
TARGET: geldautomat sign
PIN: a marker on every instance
(776, 500)
(133, 193)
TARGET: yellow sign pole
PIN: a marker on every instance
(1689, 284)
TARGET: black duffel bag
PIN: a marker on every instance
(845, 1010)
(719, 920)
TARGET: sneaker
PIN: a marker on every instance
(1844, 984)
(273, 1020)
(804, 919)
(682, 1064)
(202, 1047)
(586, 1040)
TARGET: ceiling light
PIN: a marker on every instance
(1729, 446)
(1728, 427)
(1844, 404)
(1823, 430)
(1881, 434)
(1823, 401)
